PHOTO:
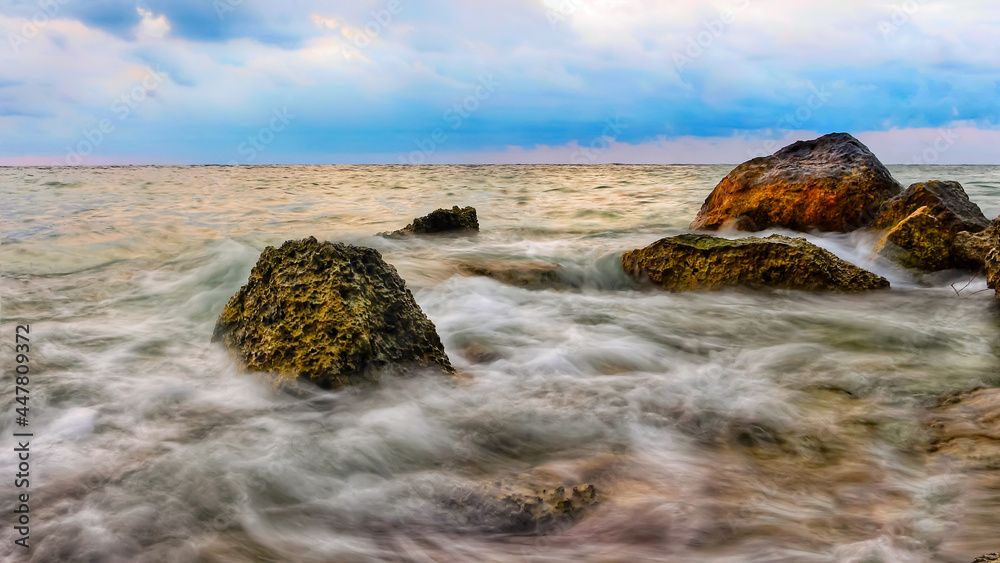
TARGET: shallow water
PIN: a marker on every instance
(718, 427)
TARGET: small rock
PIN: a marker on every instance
(833, 183)
(330, 313)
(988, 558)
(515, 510)
(454, 220)
(689, 262)
(946, 201)
(920, 242)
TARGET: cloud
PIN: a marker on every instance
(373, 78)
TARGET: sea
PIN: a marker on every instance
(722, 426)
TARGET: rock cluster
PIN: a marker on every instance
(330, 313)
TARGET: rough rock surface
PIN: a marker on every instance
(946, 201)
(516, 510)
(920, 241)
(969, 250)
(992, 261)
(531, 275)
(454, 220)
(988, 558)
(688, 262)
(330, 313)
(833, 183)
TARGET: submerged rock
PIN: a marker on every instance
(330, 313)
(920, 242)
(988, 558)
(531, 275)
(517, 510)
(967, 429)
(946, 201)
(454, 220)
(688, 262)
(833, 183)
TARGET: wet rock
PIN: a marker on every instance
(991, 264)
(920, 241)
(331, 313)
(969, 250)
(946, 201)
(454, 220)
(531, 275)
(966, 428)
(516, 510)
(833, 183)
(689, 262)
(988, 558)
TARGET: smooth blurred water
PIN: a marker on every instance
(725, 426)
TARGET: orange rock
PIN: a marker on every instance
(833, 183)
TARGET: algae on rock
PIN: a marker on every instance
(690, 262)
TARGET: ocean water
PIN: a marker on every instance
(716, 427)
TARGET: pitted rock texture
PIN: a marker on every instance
(334, 314)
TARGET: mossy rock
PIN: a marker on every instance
(833, 183)
(330, 313)
(920, 242)
(454, 220)
(690, 262)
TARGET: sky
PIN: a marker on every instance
(90, 82)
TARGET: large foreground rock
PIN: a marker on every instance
(454, 220)
(688, 262)
(331, 313)
(833, 183)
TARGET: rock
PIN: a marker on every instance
(517, 510)
(454, 220)
(531, 275)
(330, 313)
(689, 261)
(833, 183)
(946, 201)
(969, 250)
(966, 429)
(988, 558)
(920, 241)
(991, 264)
